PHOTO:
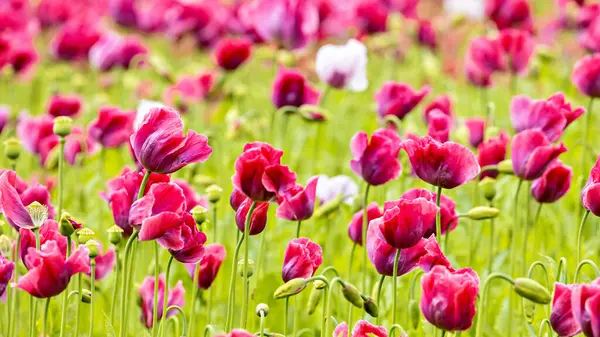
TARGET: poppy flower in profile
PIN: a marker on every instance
(6, 273)
(370, 17)
(14, 204)
(48, 232)
(160, 146)
(291, 88)
(510, 14)
(553, 184)
(32, 130)
(230, 53)
(259, 216)
(189, 90)
(590, 195)
(355, 228)
(302, 258)
(298, 203)
(361, 329)
(343, 66)
(113, 50)
(439, 125)
(484, 57)
(446, 165)
(214, 255)
(491, 152)
(112, 127)
(64, 105)
(74, 40)
(584, 304)
(176, 296)
(586, 75)
(398, 99)
(426, 34)
(192, 199)
(532, 153)
(448, 215)
(518, 46)
(476, 128)
(589, 38)
(441, 103)
(376, 159)
(562, 319)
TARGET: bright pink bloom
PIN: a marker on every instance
(189, 90)
(426, 34)
(236, 199)
(113, 51)
(258, 220)
(376, 160)
(48, 232)
(335, 18)
(371, 17)
(355, 227)
(476, 128)
(18, 51)
(362, 329)
(446, 165)
(510, 14)
(112, 127)
(585, 301)
(230, 53)
(160, 146)
(291, 88)
(214, 255)
(408, 8)
(259, 173)
(590, 195)
(193, 240)
(32, 130)
(562, 318)
(439, 126)
(492, 152)
(236, 333)
(589, 38)
(6, 273)
(49, 272)
(301, 260)
(64, 105)
(484, 57)
(176, 296)
(532, 153)
(75, 39)
(298, 203)
(398, 99)
(192, 199)
(441, 103)
(586, 75)
(553, 184)
(449, 216)
(587, 14)
(518, 47)
(448, 298)
(13, 203)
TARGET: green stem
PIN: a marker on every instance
(329, 295)
(78, 308)
(214, 223)
(231, 297)
(438, 218)
(483, 304)
(527, 230)
(394, 280)
(194, 297)
(545, 323)
(580, 234)
(32, 302)
(583, 263)
(285, 315)
(45, 319)
(246, 294)
(262, 323)
(13, 304)
(365, 224)
(92, 280)
(184, 323)
(379, 288)
(491, 245)
(397, 327)
(163, 322)
(562, 273)
(350, 259)
(298, 228)
(295, 321)
(513, 253)
(65, 296)
(125, 283)
(61, 170)
(530, 275)
(116, 287)
(156, 281)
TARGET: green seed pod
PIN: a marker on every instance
(313, 300)
(5, 245)
(250, 267)
(92, 246)
(38, 213)
(529, 310)
(414, 313)
(506, 167)
(12, 148)
(84, 235)
(532, 290)
(352, 295)
(290, 288)
(214, 193)
(488, 188)
(63, 126)
(370, 306)
(66, 224)
(115, 235)
(86, 296)
(199, 214)
(483, 213)
(262, 307)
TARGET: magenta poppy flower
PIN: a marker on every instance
(6, 273)
(426, 34)
(214, 255)
(587, 14)
(441, 103)
(259, 173)
(562, 319)
(476, 128)
(355, 228)
(19, 52)
(32, 130)
(192, 199)
(439, 125)
(518, 47)
(408, 8)
(448, 297)
(532, 153)
(236, 333)
(590, 195)
(48, 232)
(123, 191)
(298, 203)
(259, 216)
(13, 203)
(553, 184)
(64, 105)
(230, 53)
(492, 152)
(112, 127)
(176, 296)
(586, 75)
(376, 159)
(50, 272)
(160, 146)
(571, 114)
(449, 216)
(370, 17)
(398, 99)
(510, 14)
(74, 40)
(236, 199)
(425, 254)
(362, 328)
(189, 90)
(589, 38)
(113, 51)
(302, 258)
(405, 221)
(484, 57)
(193, 240)
(446, 165)
(585, 301)
(291, 88)
(105, 263)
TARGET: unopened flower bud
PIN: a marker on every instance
(290, 288)
(84, 235)
(352, 295)
(532, 290)
(86, 296)
(313, 300)
(63, 126)
(329, 207)
(488, 188)
(92, 246)
(414, 313)
(38, 213)
(115, 235)
(528, 310)
(319, 284)
(370, 306)
(214, 192)
(250, 267)
(199, 214)
(483, 213)
(505, 167)
(5, 245)
(262, 307)
(12, 148)
(66, 224)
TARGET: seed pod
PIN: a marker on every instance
(199, 214)
(84, 235)
(488, 188)
(319, 284)
(352, 295)
(214, 192)
(291, 287)
(115, 235)
(483, 213)
(66, 226)
(250, 267)
(313, 300)
(86, 296)
(262, 307)
(532, 290)
(63, 126)
(92, 246)
(12, 148)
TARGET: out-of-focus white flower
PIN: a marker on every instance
(343, 66)
(329, 188)
(142, 110)
(473, 9)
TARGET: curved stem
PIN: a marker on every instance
(562, 265)
(483, 304)
(125, 283)
(329, 295)
(246, 296)
(156, 281)
(116, 286)
(580, 234)
(530, 274)
(45, 319)
(583, 263)
(231, 297)
(364, 237)
(92, 286)
(438, 218)
(397, 327)
(166, 298)
(394, 280)
(545, 323)
(184, 323)
(194, 297)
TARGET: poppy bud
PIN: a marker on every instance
(291, 287)
(505, 167)
(38, 213)
(84, 235)
(488, 187)
(5, 245)
(65, 226)
(319, 284)
(250, 267)
(12, 148)
(532, 290)
(115, 235)
(214, 193)
(529, 310)
(414, 313)
(63, 126)
(262, 307)
(92, 246)
(482, 213)
(329, 207)
(313, 300)
(199, 214)
(86, 296)
(370, 306)
(352, 295)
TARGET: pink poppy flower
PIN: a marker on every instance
(189, 90)
(510, 14)
(590, 195)
(214, 255)
(484, 57)
(426, 34)
(193, 240)
(398, 99)
(589, 38)
(376, 159)
(408, 8)
(476, 128)
(74, 40)
(553, 184)
(355, 227)
(291, 88)
(302, 258)
(562, 319)
(371, 17)
(6, 273)
(449, 216)
(230, 53)
(518, 47)
(362, 329)
(112, 127)
(13, 204)
(236, 333)
(48, 232)
(532, 153)
(584, 304)
(32, 130)
(441, 103)
(113, 51)
(64, 105)
(586, 75)
(236, 199)
(298, 203)
(439, 126)
(192, 199)
(176, 296)
(258, 220)
(492, 152)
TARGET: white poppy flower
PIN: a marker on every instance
(329, 188)
(473, 9)
(343, 66)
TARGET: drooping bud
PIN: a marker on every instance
(319, 284)
(84, 235)
(199, 214)
(63, 126)
(214, 192)
(262, 307)
(506, 167)
(370, 306)
(250, 267)
(488, 188)
(12, 148)
(38, 213)
(313, 300)
(115, 235)
(329, 207)
(532, 290)
(482, 213)
(68, 225)
(86, 296)
(5, 245)
(290, 288)
(414, 313)
(92, 246)
(352, 295)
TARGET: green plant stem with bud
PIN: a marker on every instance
(547, 279)
(61, 173)
(163, 322)
(63, 319)
(377, 300)
(246, 295)
(45, 318)
(580, 234)
(285, 315)
(194, 296)
(184, 320)
(365, 224)
(156, 281)
(483, 301)
(92, 286)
